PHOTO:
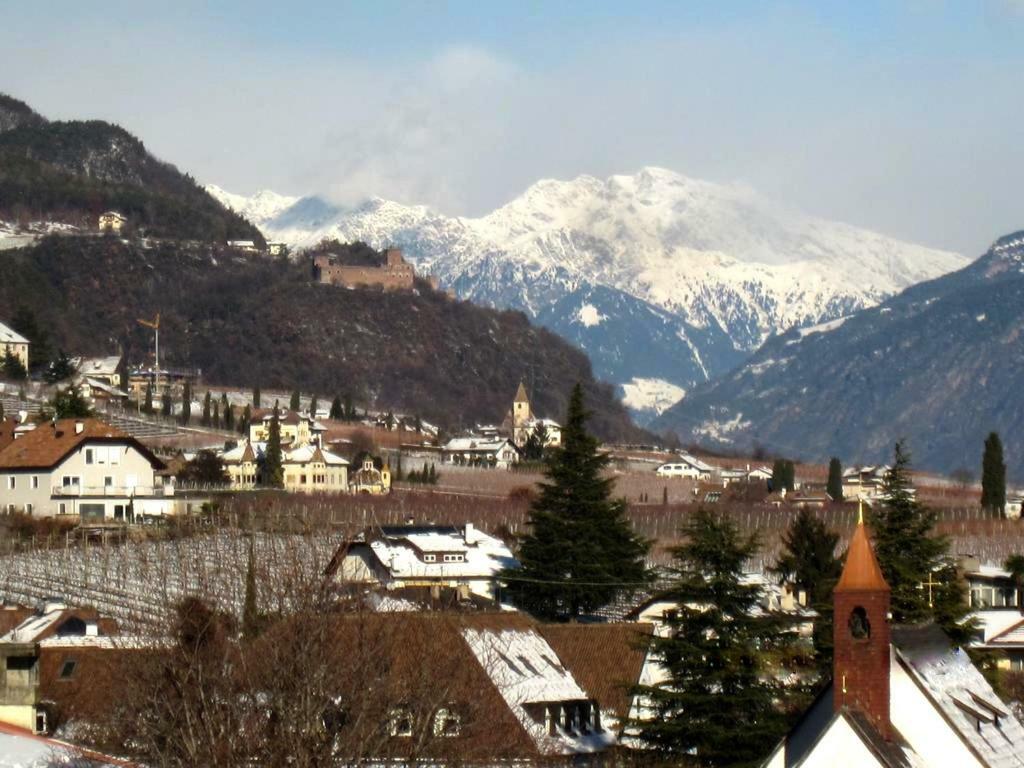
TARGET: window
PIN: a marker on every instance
(11, 483)
(108, 482)
(69, 481)
(92, 511)
(400, 722)
(35, 481)
(454, 558)
(115, 456)
(29, 508)
(62, 508)
(89, 456)
(430, 558)
(67, 669)
(447, 723)
(860, 627)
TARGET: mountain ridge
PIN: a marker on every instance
(715, 260)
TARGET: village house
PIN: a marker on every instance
(82, 467)
(435, 556)
(295, 428)
(522, 424)
(864, 482)
(900, 696)
(370, 480)
(495, 452)
(108, 370)
(111, 221)
(307, 468)
(172, 380)
(246, 246)
(42, 651)
(687, 466)
(14, 343)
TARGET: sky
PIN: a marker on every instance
(906, 118)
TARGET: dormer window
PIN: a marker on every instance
(454, 558)
(430, 558)
(400, 722)
(447, 723)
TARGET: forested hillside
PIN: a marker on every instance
(248, 319)
(71, 171)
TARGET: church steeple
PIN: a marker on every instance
(861, 634)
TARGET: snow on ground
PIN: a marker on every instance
(720, 430)
(826, 327)
(655, 395)
(23, 750)
(589, 315)
(15, 236)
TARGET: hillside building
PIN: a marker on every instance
(495, 452)
(395, 274)
(111, 221)
(13, 342)
(308, 468)
(370, 480)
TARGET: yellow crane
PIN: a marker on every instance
(155, 325)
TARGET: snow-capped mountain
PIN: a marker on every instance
(658, 276)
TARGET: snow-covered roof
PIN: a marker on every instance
(696, 463)
(489, 444)
(28, 630)
(526, 670)
(962, 695)
(99, 366)
(103, 386)
(305, 453)
(483, 556)
(10, 336)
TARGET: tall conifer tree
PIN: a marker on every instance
(993, 475)
(296, 401)
(336, 412)
(914, 559)
(835, 479)
(273, 471)
(581, 552)
(147, 407)
(205, 419)
(718, 703)
(256, 396)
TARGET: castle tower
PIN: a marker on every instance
(521, 407)
(861, 635)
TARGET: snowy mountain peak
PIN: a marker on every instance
(703, 271)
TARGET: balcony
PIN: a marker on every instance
(113, 491)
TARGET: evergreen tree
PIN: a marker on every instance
(69, 404)
(581, 552)
(350, 411)
(215, 418)
(914, 560)
(1, 410)
(783, 475)
(186, 403)
(147, 406)
(246, 420)
(835, 479)
(166, 406)
(229, 417)
(250, 611)
(717, 702)
(205, 419)
(295, 402)
(993, 475)
(12, 367)
(336, 412)
(256, 396)
(398, 477)
(273, 471)
(432, 477)
(312, 407)
(809, 562)
(59, 369)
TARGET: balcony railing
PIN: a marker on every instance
(114, 491)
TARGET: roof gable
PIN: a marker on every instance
(49, 444)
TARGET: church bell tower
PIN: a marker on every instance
(861, 635)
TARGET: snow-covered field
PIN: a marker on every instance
(137, 583)
(651, 395)
(14, 236)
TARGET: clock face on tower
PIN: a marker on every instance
(860, 627)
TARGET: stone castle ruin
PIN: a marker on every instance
(395, 274)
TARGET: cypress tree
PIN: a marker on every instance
(228, 410)
(246, 420)
(350, 411)
(1, 410)
(717, 703)
(581, 552)
(336, 412)
(215, 418)
(186, 404)
(398, 468)
(312, 407)
(809, 562)
(166, 406)
(835, 479)
(273, 471)
(147, 407)
(256, 396)
(295, 402)
(993, 475)
(205, 419)
(914, 560)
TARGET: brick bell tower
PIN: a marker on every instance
(861, 635)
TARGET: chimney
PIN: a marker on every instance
(861, 661)
(469, 534)
(79, 427)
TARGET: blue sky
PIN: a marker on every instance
(906, 118)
